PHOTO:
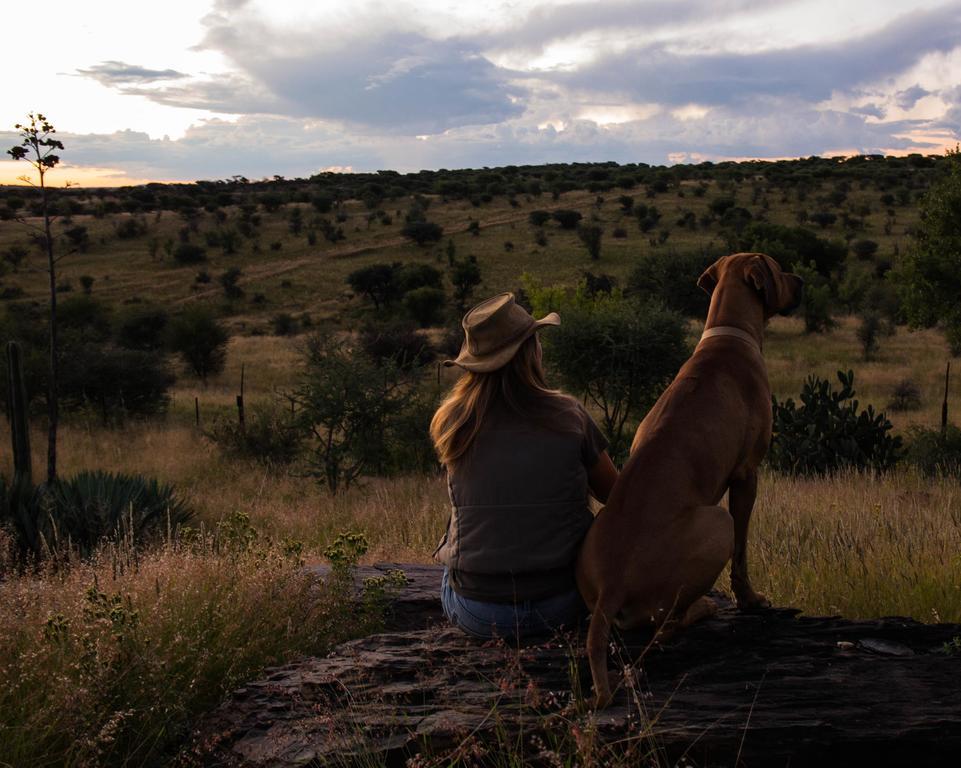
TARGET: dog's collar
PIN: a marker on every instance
(730, 330)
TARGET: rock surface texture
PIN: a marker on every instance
(758, 689)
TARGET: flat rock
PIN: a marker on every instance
(764, 688)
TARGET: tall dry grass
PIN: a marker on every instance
(106, 662)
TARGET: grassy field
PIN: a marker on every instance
(171, 632)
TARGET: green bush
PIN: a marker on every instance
(200, 340)
(566, 218)
(396, 342)
(89, 507)
(270, 436)
(113, 381)
(829, 433)
(142, 327)
(617, 353)
(672, 277)
(426, 305)
(935, 452)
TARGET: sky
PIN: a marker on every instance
(192, 89)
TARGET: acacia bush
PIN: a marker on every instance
(397, 342)
(935, 452)
(270, 436)
(828, 432)
(671, 276)
(616, 352)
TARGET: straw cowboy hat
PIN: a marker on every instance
(493, 332)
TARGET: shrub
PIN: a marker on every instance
(142, 327)
(906, 396)
(417, 275)
(270, 436)
(345, 405)
(189, 253)
(131, 227)
(378, 282)
(113, 381)
(465, 276)
(200, 340)
(829, 433)
(792, 247)
(672, 278)
(590, 235)
(619, 233)
(615, 352)
(398, 343)
(567, 219)
(816, 302)
(83, 318)
(935, 452)
(870, 330)
(14, 255)
(930, 271)
(538, 218)
(92, 506)
(423, 232)
(426, 305)
(864, 249)
(228, 281)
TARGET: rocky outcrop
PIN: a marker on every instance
(766, 688)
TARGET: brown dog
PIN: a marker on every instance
(661, 542)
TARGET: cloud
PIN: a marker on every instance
(551, 22)
(910, 96)
(659, 72)
(117, 73)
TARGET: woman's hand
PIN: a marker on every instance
(601, 477)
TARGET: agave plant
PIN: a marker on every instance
(91, 506)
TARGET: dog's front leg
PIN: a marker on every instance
(743, 492)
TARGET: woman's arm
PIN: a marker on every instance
(601, 477)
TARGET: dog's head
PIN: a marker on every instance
(780, 292)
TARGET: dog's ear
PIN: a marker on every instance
(759, 273)
(707, 282)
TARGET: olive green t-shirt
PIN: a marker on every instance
(519, 506)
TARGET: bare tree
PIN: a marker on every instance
(37, 148)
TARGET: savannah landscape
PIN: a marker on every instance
(108, 651)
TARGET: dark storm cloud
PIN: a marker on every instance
(658, 73)
(117, 73)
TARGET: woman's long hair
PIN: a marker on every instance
(519, 386)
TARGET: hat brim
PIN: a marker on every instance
(500, 358)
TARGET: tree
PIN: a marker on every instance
(228, 281)
(671, 277)
(567, 219)
(37, 147)
(590, 235)
(930, 271)
(200, 340)
(378, 282)
(425, 305)
(423, 232)
(617, 353)
(465, 276)
(345, 403)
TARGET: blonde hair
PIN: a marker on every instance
(520, 386)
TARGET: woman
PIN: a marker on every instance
(520, 459)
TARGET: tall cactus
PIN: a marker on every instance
(21, 490)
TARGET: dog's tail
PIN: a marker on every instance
(598, 636)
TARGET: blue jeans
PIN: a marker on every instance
(511, 620)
